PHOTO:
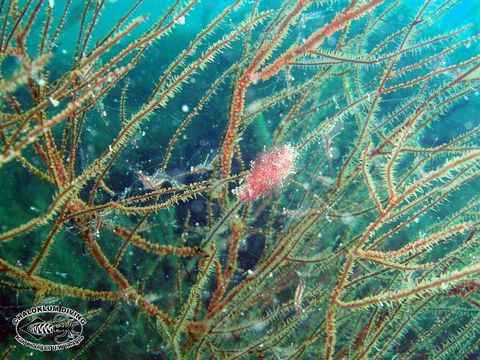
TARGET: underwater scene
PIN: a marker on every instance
(239, 179)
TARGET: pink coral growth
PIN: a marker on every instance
(267, 173)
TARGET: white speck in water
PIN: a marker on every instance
(54, 102)
(180, 20)
(347, 219)
(334, 153)
(185, 108)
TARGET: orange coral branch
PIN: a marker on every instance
(341, 21)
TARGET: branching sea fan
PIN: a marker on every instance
(368, 114)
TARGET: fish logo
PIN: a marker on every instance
(49, 328)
